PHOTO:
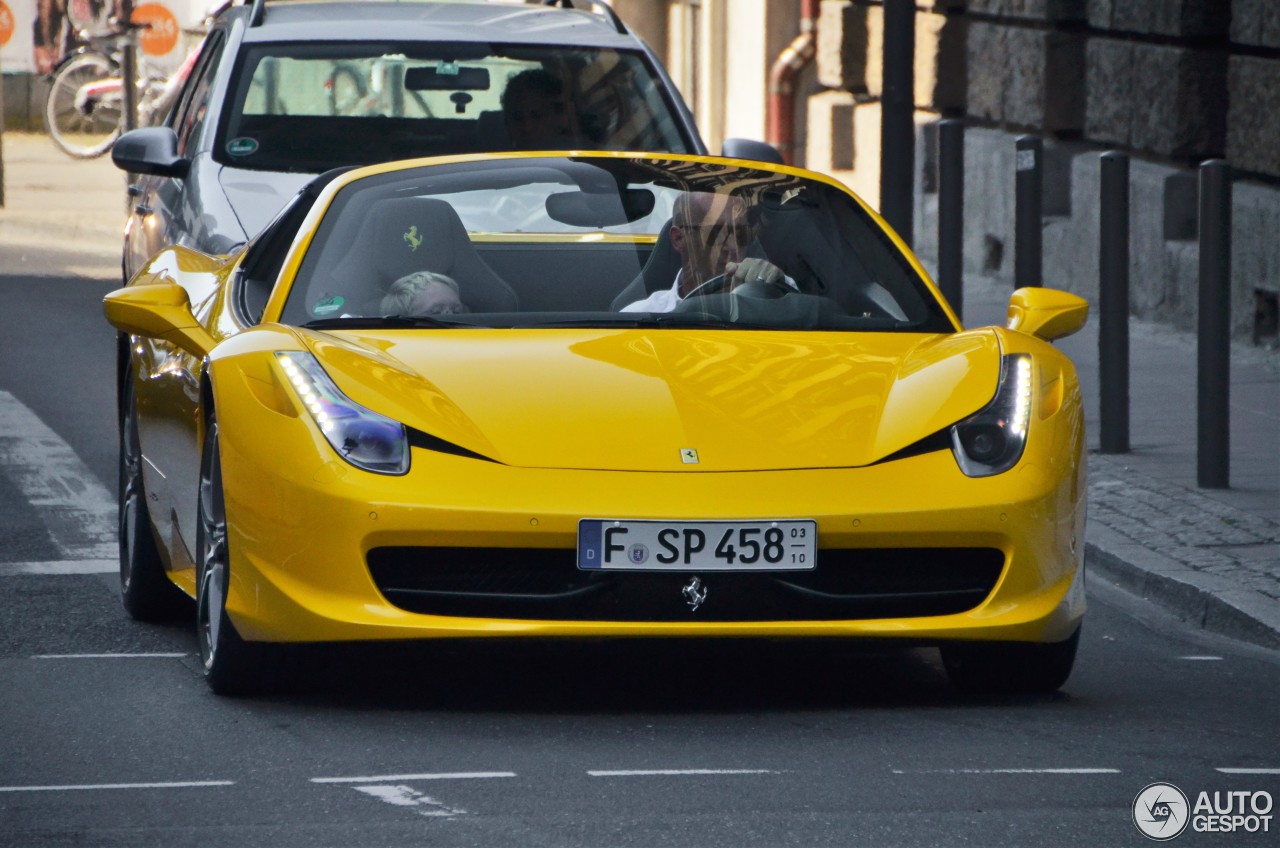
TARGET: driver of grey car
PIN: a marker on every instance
(710, 233)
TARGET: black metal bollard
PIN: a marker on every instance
(1, 138)
(897, 118)
(129, 69)
(951, 212)
(1113, 302)
(1028, 214)
(1213, 360)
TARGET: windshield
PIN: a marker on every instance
(311, 107)
(605, 241)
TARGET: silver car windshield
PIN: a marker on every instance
(599, 240)
(311, 107)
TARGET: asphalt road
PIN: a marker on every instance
(109, 736)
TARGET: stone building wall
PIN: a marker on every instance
(1172, 82)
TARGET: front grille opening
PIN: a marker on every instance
(546, 585)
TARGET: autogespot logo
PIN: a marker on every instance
(1160, 811)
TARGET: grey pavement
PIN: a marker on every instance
(1212, 556)
(61, 216)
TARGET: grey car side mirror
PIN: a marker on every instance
(150, 150)
(751, 150)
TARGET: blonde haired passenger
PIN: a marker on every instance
(423, 293)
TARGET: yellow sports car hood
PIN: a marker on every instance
(641, 400)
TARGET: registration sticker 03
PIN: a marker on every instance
(761, 545)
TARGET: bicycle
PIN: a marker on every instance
(85, 108)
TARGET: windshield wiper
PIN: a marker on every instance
(646, 320)
(384, 322)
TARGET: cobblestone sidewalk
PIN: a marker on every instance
(1199, 532)
(1212, 564)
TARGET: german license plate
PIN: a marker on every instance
(782, 545)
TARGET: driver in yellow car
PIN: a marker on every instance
(710, 232)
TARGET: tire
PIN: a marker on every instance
(145, 588)
(83, 130)
(1011, 667)
(231, 665)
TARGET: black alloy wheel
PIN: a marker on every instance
(231, 665)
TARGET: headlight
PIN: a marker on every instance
(360, 436)
(991, 441)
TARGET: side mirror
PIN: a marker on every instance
(159, 310)
(755, 151)
(1047, 313)
(150, 150)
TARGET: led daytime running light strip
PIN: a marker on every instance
(362, 437)
(307, 390)
(1021, 418)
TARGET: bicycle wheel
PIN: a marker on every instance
(84, 108)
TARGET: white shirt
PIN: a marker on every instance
(663, 300)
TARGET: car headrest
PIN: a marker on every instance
(414, 234)
(659, 271)
(409, 234)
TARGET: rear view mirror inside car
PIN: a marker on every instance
(591, 209)
(446, 76)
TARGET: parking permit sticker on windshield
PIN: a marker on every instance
(242, 146)
(328, 306)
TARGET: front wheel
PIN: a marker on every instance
(1015, 667)
(231, 665)
(85, 106)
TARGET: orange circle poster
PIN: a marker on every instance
(161, 36)
(6, 24)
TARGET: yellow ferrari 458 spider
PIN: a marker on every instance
(599, 395)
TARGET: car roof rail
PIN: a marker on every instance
(259, 7)
(608, 10)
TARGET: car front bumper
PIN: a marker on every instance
(301, 541)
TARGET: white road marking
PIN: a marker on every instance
(384, 778)
(1249, 770)
(1010, 771)
(1203, 658)
(79, 566)
(674, 772)
(406, 796)
(105, 656)
(192, 784)
(83, 514)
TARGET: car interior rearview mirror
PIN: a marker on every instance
(446, 76)
(599, 210)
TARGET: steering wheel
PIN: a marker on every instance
(717, 284)
(765, 290)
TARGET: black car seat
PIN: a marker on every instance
(658, 272)
(410, 234)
